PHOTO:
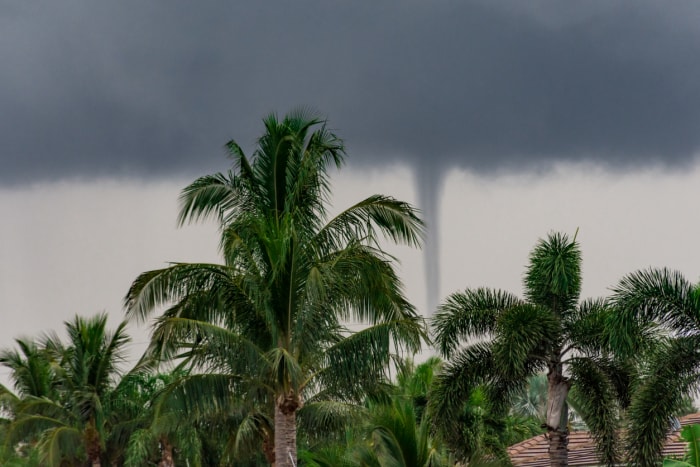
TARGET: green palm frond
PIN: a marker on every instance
(61, 444)
(658, 295)
(674, 373)
(323, 417)
(330, 456)
(31, 425)
(205, 344)
(523, 333)
(414, 382)
(588, 326)
(397, 439)
(597, 405)
(464, 372)
(361, 285)
(192, 397)
(208, 196)
(141, 447)
(394, 435)
(93, 355)
(189, 445)
(394, 219)
(360, 359)
(250, 432)
(516, 339)
(31, 368)
(161, 287)
(472, 313)
(285, 370)
(75, 380)
(664, 305)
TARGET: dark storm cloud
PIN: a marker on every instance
(149, 88)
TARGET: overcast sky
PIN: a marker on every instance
(503, 120)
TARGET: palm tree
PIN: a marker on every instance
(90, 368)
(413, 381)
(512, 339)
(666, 301)
(397, 439)
(71, 416)
(31, 370)
(32, 377)
(148, 426)
(290, 278)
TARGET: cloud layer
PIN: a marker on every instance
(157, 88)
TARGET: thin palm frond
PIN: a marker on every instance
(658, 295)
(674, 373)
(597, 404)
(472, 313)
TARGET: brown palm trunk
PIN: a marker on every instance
(166, 453)
(556, 417)
(286, 430)
(92, 444)
(268, 446)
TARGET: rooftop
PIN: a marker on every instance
(533, 452)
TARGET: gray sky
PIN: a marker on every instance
(156, 88)
(522, 117)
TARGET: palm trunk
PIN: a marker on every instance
(92, 444)
(556, 419)
(166, 453)
(286, 430)
(268, 447)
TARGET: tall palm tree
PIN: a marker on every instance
(495, 340)
(669, 303)
(291, 277)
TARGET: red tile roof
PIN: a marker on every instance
(533, 452)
